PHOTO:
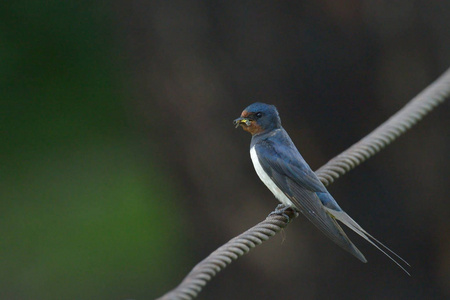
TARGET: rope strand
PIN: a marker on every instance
(378, 139)
(387, 132)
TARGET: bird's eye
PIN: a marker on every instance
(258, 115)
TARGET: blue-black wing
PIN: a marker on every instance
(289, 171)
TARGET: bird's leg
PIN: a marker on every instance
(281, 210)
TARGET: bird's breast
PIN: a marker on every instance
(276, 191)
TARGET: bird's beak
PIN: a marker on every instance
(240, 121)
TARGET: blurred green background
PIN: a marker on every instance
(120, 168)
(81, 203)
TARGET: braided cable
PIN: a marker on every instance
(205, 270)
(386, 133)
(382, 136)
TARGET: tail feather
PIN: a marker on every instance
(342, 240)
(350, 223)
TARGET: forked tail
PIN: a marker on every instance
(343, 217)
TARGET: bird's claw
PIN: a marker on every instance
(281, 210)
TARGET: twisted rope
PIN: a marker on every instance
(205, 270)
(386, 133)
(382, 136)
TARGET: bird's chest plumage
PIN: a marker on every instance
(267, 180)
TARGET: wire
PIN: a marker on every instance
(205, 270)
(386, 133)
(373, 143)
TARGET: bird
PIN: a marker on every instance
(281, 167)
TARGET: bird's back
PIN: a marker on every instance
(283, 170)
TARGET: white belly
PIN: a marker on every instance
(267, 180)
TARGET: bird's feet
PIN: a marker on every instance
(281, 210)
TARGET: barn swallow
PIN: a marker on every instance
(283, 170)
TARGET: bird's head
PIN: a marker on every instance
(258, 118)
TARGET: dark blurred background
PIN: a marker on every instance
(120, 167)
